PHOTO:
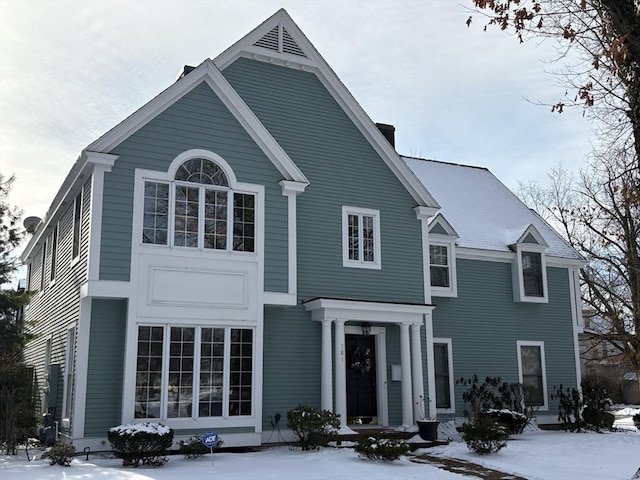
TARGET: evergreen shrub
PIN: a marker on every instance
(383, 449)
(312, 425)
(60, 454)
(142, 443)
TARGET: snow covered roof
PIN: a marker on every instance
(485, 214)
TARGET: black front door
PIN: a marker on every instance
(362, 401)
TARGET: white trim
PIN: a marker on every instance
(68, 365)
(82, 359)
(380, 334)
(449, 243)
(80, 195)
(519, 294)
(102, 163)
(543, 366)
(106, 289)
(291, 190)
(431, 376)
(440, 219)
(209, 73)
(375, 312)
(423, 214)
(278, 298)
(452, 392)
(361, 263)
(207, 155)
(316, 64)
(576, 316)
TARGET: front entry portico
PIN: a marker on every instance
(346, 317)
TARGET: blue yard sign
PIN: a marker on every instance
(210, 439)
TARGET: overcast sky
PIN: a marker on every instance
(70, 71)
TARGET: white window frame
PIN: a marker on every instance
(452, 395)
(376, 264)
(168, 177)
(69, 363)
(543, 366)
(518, 274)
(195, 420)
(450, 244)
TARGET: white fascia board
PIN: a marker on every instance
(209, 73)
(499, 256)
(366, 311)
(315, 63)
(80, 171)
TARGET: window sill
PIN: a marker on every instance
(366, 265)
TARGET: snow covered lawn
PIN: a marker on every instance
(534, 455)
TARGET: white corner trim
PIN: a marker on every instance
(82, 359)
(291, 190)
(423, 214)
(102, 163)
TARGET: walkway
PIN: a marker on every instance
(462, 467)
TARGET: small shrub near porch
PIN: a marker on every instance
(141, 443)
(312, 425)
(381, 449)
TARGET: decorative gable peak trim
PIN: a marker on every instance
(278, 39)
(440, 226)
(313, 62)
(208, 73)
(529, 236)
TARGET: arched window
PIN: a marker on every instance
(198, 209)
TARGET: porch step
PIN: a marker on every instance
(412, 438)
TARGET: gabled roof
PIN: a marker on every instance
(440, 226)
(485, 213)
(206, 72)
(527, 234)
(280, 41)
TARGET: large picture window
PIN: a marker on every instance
(198, 210)
(208, 372)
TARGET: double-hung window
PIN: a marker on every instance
(439, 266)
(531, 370)
(198, 209)
(207, 372)
(532, 274)
(361, 238)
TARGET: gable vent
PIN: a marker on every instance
(289, 45)
(270, 40)
(279, 40)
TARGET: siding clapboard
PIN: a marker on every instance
(198, 120)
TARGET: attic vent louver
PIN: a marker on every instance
(270, 40)
(279, 40)
(289, 45)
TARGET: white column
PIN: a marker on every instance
(341, 372)
(431, 374)
(416, 372)
(405, 365)
(326, 387)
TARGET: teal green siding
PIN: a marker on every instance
(198, 120)
(485, 323)
(343, 169)
(105, 366)
(439, 229)
(529, 239)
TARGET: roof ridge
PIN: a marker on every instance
(444, 162)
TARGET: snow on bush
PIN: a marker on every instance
(141, 443)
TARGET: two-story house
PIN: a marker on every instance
(249, 240)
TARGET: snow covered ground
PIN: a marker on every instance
(533, 455)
